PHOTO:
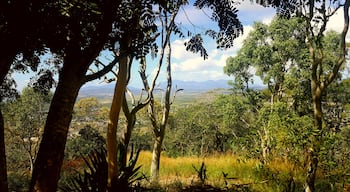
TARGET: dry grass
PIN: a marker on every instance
(182, 168)
(180, 171)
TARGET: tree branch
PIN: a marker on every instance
(343, 34)
(106, 69)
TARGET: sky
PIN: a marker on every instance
(188, 66)
(191, 67)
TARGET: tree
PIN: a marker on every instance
(317, 16)
(224, 13)
(25, 118)
(277, 53)
(136, 42)
(87, 109)
(88, 141)
(235, 120)
(55, 26)
(324, 67)
(159, 125)
(19, 35)
(84, 29)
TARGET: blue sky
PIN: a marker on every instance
(188, 66)
(191, 67)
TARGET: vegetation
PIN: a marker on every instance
(290, 136)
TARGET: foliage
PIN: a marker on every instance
(288, 132)
(86, 108)
(201, 173)
(24, 118)
(88, 141)
(94, 178)
(18, 181)
(218, 126)
(277, 52)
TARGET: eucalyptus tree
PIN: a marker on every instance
(224, 13)
(84, 29)
(76, 32)
(230, 28)
(277, 54)
(324, 70)
(274, 51)
(25, 119)
(138, 33)
(19, 35)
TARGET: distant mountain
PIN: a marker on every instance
(188, 86)
(107, 90)
(203, 86)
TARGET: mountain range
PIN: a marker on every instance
(187, 86)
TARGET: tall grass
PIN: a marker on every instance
(273, 177)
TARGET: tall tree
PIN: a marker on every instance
(277, 53)
(167, 28)
(84, 31)
(25, 118)
(317, 14)
(137, 34)
(18, 35)
(324, 68)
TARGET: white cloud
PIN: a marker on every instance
(190, 16)
(336, 22)
(190, 66)
(239, 41)
(179, 51)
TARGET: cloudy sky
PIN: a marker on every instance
(188, 66)
(191, 67)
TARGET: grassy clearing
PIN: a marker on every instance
(274, 177)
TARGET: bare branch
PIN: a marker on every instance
(177, 90)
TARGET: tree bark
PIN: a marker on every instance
(5, 64)
(126, 136)
(157, 149)
(315, 139)
(119, 93)
(3, 167)
(160, 130)
(318, 85)
(50, 156)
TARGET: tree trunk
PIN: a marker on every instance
(3, 167)
(160, 130)
(118, 96)
(157, 149)
(126, 136)
(265, 145)
(50, 156)
(316, 139)
(5, 64)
